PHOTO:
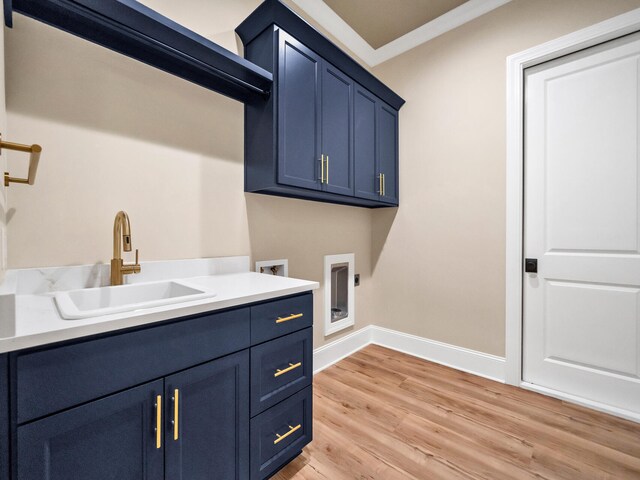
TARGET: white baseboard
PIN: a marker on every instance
(471, 361)
(335, 351)
(601, 407)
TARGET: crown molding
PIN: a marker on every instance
(341, 30)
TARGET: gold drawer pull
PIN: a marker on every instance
(290, 317)
(288, 369)
(282, 437)
(176, 413)
(159, 421)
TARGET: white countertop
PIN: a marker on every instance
(37, 321)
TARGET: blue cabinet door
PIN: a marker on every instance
(365, 144)
(375, 148)
(4, 417)
(388, 152)
(298, 114)
(210, 404)
(109, 439)
(336, 132)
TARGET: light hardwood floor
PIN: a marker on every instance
(383, 415)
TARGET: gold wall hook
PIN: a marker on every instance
(34, 158)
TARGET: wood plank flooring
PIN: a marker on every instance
(384, 415)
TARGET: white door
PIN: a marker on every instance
(582, 308)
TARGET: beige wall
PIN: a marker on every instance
(121, 135)
(118, 134)
(3, 167)
(439, 264)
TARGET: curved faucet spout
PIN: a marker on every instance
(122, 241)
(121, 228)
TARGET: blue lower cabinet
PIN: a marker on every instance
(279, 434)
(207, 421)
(4, 417)
(112, 438)
(189, 419)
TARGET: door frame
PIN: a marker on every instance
(601, 32)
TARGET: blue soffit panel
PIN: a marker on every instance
(134, 30)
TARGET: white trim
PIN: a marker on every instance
(588, 37)
(471, 361)
(336, 26)
(335, 351)
(601, 407)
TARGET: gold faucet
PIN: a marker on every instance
(122, 241)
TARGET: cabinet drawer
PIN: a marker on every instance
(274, 319)
(280, 433)
(50, 380)
(279, 368)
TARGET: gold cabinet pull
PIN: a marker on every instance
(384, 185)
(380, 184)
(292, 366)
(176, 413)
(279, 437)
(34, 158)
(290, 317)
(159, 421)
(327, 177)
(322, 168)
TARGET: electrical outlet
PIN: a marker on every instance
(356, 279)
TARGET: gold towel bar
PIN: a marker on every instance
(34, 150)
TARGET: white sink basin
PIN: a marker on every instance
(93, 302)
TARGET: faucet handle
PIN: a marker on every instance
(135, 268)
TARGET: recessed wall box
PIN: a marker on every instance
(339, 304)
(279, 268)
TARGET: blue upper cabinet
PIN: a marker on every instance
(337, 131)
(298, 114)
(365, 144)
(388, 152)
(330, 131)
(314, 121)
